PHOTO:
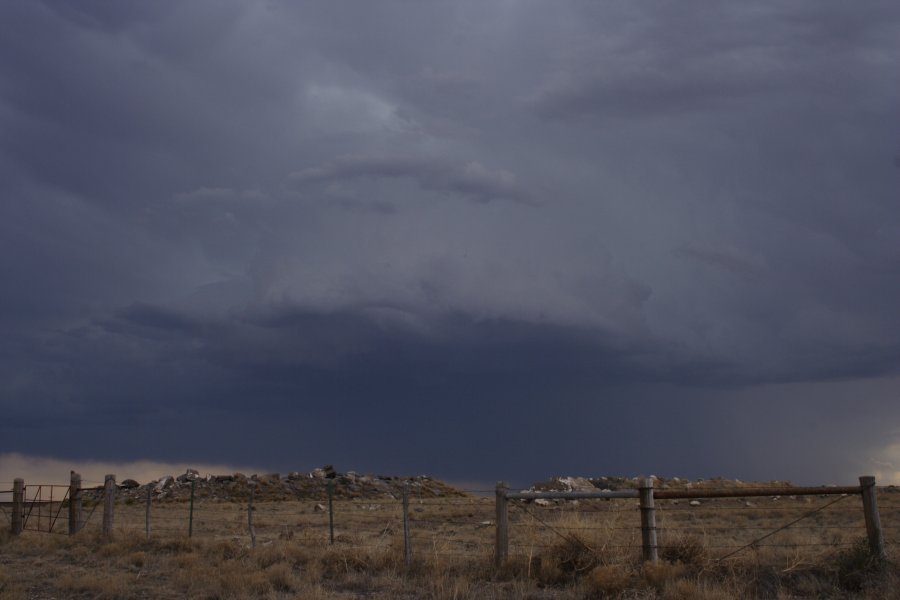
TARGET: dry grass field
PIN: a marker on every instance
(588, 549)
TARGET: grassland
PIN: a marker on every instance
(586, 550)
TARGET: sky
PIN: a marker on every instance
(477, 240)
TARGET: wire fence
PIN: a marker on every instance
(715, 530)
(776, 530)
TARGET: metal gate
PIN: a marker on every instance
(44, 506)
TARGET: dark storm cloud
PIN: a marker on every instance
(730, 57)
(470, 180)
(670, 210)
(724, 258)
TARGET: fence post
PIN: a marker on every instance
(407, 544)
(18, 514)
(331, 510)
(109, 504)
(191, 515)
(250, 518)
(648, 520)
(501, 550)
(873, 520)
(147, 511)
(74, 503)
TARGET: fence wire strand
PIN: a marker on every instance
(465, 526)
(782, 528)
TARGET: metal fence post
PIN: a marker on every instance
(109, 504)
(873, 520)
(648, 520)
(407, 544)
(18, 515)
(74, 503)
(501, 550)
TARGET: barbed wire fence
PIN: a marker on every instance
(712, 525)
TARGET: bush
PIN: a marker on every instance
(566, 560)
(688, 550)
(658, 575)
(857, 566)
(607, 581)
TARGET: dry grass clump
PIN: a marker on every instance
(137, 559)
(690, 589)
(857, 568)
(608, 581)
(688, 550)
(661, 574)
(219, 550)
(281, 577)
(453, 587)
(565, 561)
(339, 560)
(10, 589)
(94, 584)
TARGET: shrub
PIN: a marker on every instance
(282, 577)
(659, 574)
(688, 550)
(607, 581)
(856, 566)
(566, 560)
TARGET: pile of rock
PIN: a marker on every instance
(587, 484)
(273, 486)
(582, 484)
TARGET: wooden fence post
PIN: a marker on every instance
(501, 550)
(873, 520)
(74, 503)
(191, 515)
(147, 512)
(250, 518)
(407, 544)
(331, 511)
(18, 515)
(109, 504)
(648, 520)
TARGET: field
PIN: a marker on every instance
(586, 549)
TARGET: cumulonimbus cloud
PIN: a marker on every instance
(470, 179)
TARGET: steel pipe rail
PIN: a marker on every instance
(756, 492)
(560, 495)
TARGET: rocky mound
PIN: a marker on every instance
(274, 486)
(579, 484)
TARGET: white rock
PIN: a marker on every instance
(576, 484)
(543, 502)
(695, 503)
